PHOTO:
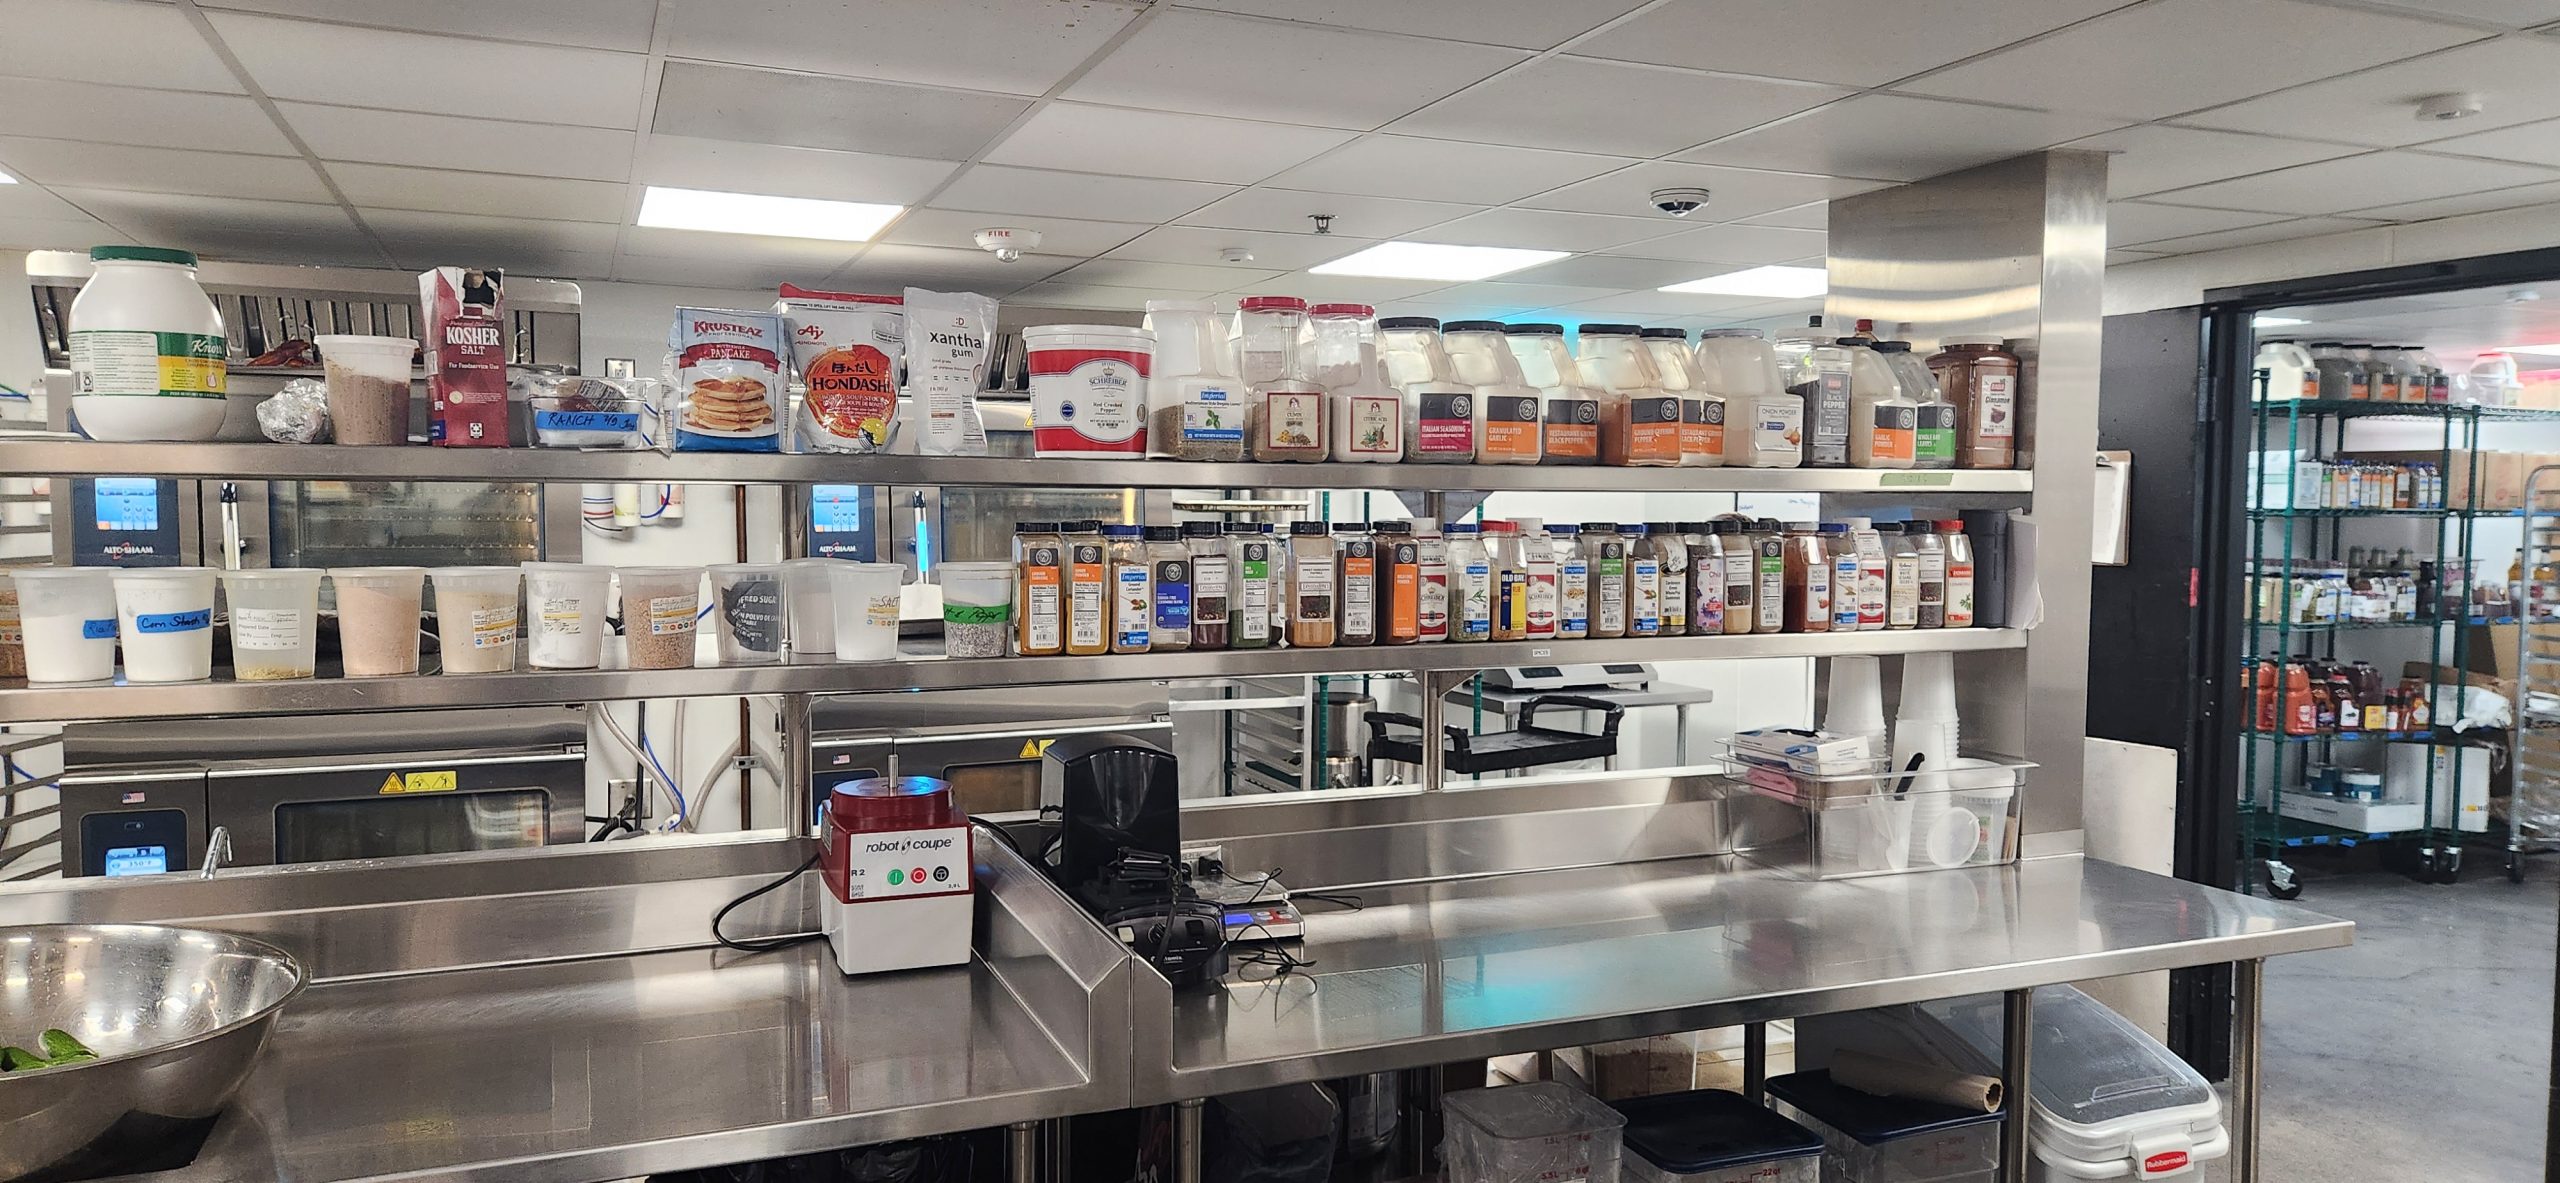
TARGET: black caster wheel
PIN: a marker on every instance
(2515, 866)
(2281, 882)
(2449, 865)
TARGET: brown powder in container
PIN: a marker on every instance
(658, 630)
(367, 408)
(378, 630)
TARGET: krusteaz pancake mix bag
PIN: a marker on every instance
(727, 367)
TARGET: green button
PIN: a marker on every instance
(897, 877)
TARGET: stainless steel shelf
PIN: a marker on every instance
(288, 462)
(21, 703)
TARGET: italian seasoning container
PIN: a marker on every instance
(1249, 588)
(1209, 584)
(1088, 607)
(1399, 584)
(1311, 590)
(1439, 411)
(1470, 584)
(1355, 560)
(1169, 568)
(1039, 589)
(1573, 583)
(1132, 581)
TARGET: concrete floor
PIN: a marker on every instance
(2423, 1051)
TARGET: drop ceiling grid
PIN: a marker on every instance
(1590, 43)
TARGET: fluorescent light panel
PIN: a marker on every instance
(758, 213)
(1777, 283)
(2552, 349)
(1433, 260)
(6, 179)
(2276, 322)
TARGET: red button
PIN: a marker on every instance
(917, 874)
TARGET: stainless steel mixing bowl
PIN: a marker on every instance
(176, 1016)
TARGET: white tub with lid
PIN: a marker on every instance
(165, 616)
(275, 622)
(148, 355)
(565, 605)
(1089, 389)
(67, 620)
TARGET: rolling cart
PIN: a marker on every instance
(2533, 742)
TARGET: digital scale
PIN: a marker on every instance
(1631, 675)
(1255, 911)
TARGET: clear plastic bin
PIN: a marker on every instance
(2108, 1101)
(1876, 821)
(1712, 1136)
(1872, 1139)
(1543, 1131)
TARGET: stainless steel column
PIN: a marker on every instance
(2017, 1034)
(1755, 1061)
(2248, 983)
(1022, 1153)
(799, 766)
(1187, 1149)
(1435, 687)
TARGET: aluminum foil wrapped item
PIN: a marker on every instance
(297, 414)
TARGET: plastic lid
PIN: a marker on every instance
(1410, 322)
(1991, 341)
(1636, 529)
(1306, 529)
(1537, 328)
(1754, 334)
(1564, 530)
(142, 254)
(1240, 528)
(1035, 527)
(1950, 525)
(2098, 1069)
(1342, 310)
(1725, 526)
(1710, 1129)
(1886, 527)
(1662, 527)
(1695, 527)
(1392, 527)
(1799, 527)
(1831, 527)
(1891, 346)
(1542, 1109)
(1608, 330)
(1867, 1117)
(893, 803)
(1163, 533)
(1666, 333)
(1471, 326)
(1600, 527)
(1199, 529)
(1122, 532)
(1272, 304)
(1265, 528)
(1459, 528)
(1764, 525)
(1500, 526)
(1351, 527)
(1858, 342)
(1082, 526)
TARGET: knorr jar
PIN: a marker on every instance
(147, 348)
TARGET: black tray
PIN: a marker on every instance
(1503, 751)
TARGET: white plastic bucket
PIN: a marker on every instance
(275, 623)
(659, 608)
(68, 622)
(977, 608)
(1089, 389)
(565, 607)
(746, 599)
(165, 617)
(378, 610)
(368, 380)
(809, 592)
(866, 607)
(476, 618)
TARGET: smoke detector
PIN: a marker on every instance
(2440, 108)
(1007, 243)
(1235, 254)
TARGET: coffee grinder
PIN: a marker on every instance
(1119, 802)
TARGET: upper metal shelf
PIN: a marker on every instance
(327, 462)
(2339, 408)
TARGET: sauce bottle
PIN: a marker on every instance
(1039, 557)
(1249, 586)
(1769, 557)
(1470, 584)
(1644, 581)
(1132, 582)
(1959, 572)
(1606, 552)
(1355, 559)
(1509, 570)
(1671, 549)
(1980, 377)
(1311, 586)
(1806, 569)
(1400, 585)
(1209, 584)
(1573, 583)
(2301, 715)
(1842, 550)
(1169, 569)
(1088, 580)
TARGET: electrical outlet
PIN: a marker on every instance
(1205, 862)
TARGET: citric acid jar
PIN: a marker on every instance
(147, 348)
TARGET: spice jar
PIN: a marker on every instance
(1807, 572)
(1959, 571)
(1765, 421)
(1570, 420)
(1705, 579)
(1039, 589)
(1249, 589)
(1867, 585)
(1132, 582)
(1769, 562)
(1195, 404)
(1280, 564)
(1470, 584)
(1639, 421)
(1088, 608)
(1267, 335)
(1355, 565)
(1902, 578)
(1537, 554)
(1644, 581)
(1843, 551)
(1169, 569)
(1980, 377)
(1934, 443)
(1439, 411)
(1286, 409)
(1816, 370)
(1883, 426)
(1606, 552)
(1506, 406)
(1508, 569)
(1666, 546)
(1573, 582)
(1367, 414)
(1931, 551)
(1311, 586)
(1702, 408)
(1741, 577)
(1209, 584)
(1400, 584)
(1433, 547)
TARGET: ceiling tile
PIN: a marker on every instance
(1809, 216)
(1737, 244)
(384, 186)
(1443, 170)
(741, 274)
(594, 24)
(1495, 298)
(1201, 244)
(340, 64)
(1548, 230)
(2379, 106)
(1609, 271)
(128, 115)
(1093, 196)
(57, 234)
(2254, 235)
(2531, 143)
(1582, 104)
(844, 114)
(233, 228)
(57, 163)
(1134, 273)
(1008, 46)
(1649, 306)
(2151, 60)
(1855, 42)
(1525, 24)
(2115, 257)
(815, 256)
(2513, 14)
(1186, 60)
(1897, 138)
(26, 202)
(1052, 294)
(1287, 211)
(949, 268)
(421, 240)
(1159, 144)
(105, 41)
(1341, 289)
(2151, 158)
(1058, 236)
(2465, 203)
(445, 141)
(2131, 223)
(2380, 178)
(687, 163)
(1734, 193)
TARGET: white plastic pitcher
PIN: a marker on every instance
(866, 608)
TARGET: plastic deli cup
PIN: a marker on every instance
(67, 621)
(378, 610)
(476, 618)
(565, 605)
(13, 650)
(275, 623)
(165, 617)
(368, 387)
(746, 598)
(977, 608)
(809, 591)
(867, 599)
(659, 606)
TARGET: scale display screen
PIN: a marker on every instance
(127, 503)
(137, 860)
(835, 509)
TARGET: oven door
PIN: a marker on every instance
(330, 812)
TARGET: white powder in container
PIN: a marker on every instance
(564, 615)
(165, 617)
(67, 623)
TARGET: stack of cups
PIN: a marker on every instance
(1925, 725)
(867, 599)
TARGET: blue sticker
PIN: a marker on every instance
(97, 630)
(173, 622)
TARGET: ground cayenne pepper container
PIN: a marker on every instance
(1399, 584)
(1980, 377)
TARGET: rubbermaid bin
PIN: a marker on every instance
(1543, 1132)
(1712, 1136)
(2109, 1101)
(1872, 1139)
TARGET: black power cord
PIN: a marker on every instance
(762, 944)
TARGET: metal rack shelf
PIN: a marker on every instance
(2345, 736)
(2377, 513)
(323, 462)
(21, 703)
(2355, 408)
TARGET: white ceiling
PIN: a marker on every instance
(1145, 137)
(2456, 326)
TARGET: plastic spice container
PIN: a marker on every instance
(977, 608)
(69, 623)
(1864, 583)
(1039, 557)
(1288, 423)
(1934, 439)
(1959, 571)
(1088, 606)
(368, 381)
(1706, 578)
(1765, 423)
(1644, 582)
(1211, 582)
(565, 606)
(1872, 1139)
(1702, 406)
(1664, 544)
(1355, 583)
(1741, 576)
(1573, 582)
(1170, 574)
(1432, 547)
(1470, 583)
(1399, 584)
(746, 603)
(1807, 598)
(1508, 569)
(378, 612)
(1842, 549)
(147, 347)
(1570, 421)
(1507, 408)
(2288, 371)
(1639, 421)
(660, 606)
(13, 649)
(1310, 583)
(476, 618)
(1712, 1136)
(867, 601)
(1133, 594)
(275, 623)
(1249, 586)
(1439, 411)
(1884, 427)
(1538, 555)
(1816, 369)
(1929, 551)
(1606, 552)
(1196, 406)
(1544, 1130)
(1088, 389)
(1280, 602)
(1367, 414)
(165, 617)
(1267, 333)
(1980, 377)
(1769, 594)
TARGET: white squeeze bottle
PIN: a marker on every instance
(1884, 427)
(1764, 424)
